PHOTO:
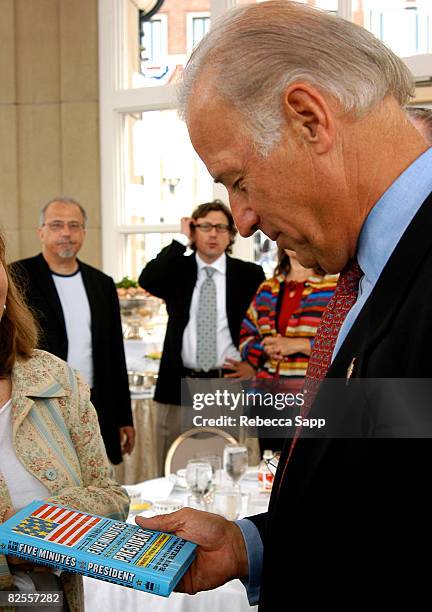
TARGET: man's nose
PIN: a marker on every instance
(246, 220)
(213, 231)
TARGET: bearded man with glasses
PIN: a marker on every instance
(207, 294)
(78, 311)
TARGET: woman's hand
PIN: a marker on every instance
(278, 347)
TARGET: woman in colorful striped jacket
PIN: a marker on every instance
(277, 333)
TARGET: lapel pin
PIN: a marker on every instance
(350, 369)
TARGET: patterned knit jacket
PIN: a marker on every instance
(56, 436)
(261, 320)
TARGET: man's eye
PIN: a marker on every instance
(238, 185)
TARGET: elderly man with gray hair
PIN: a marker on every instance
(78, 311)
(300, 114)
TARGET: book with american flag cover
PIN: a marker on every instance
(98, 547)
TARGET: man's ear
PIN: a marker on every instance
(310, 115)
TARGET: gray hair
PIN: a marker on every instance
(62, 200)
(254, 52)
(423, 116)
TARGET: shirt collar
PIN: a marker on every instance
(219, 264)
(391, 215)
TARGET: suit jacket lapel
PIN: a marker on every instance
(92, 296)
(376, 316)
(389, 292)
(45, 281)
(232, 286)
(373, 321)
(188, 284)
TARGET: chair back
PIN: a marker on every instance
(194, 444)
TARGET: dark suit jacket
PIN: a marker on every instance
(172, 277)
(111, 390)
(352, 514)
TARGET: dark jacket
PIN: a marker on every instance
(352, 514)
(172, 277)
(111, 390)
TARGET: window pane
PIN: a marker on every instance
(165, 179)
(141, 248)
(200, 27)
(158, 48)
(404, 25)
(198, 24)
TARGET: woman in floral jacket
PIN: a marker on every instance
(50, 439)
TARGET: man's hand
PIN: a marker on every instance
(278, 347)
(241, 369)
(185, 226)
(221, 553)
(127, 439)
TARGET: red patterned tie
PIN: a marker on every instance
(337, 309)
(334, 315)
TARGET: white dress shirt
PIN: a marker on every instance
(225, 345)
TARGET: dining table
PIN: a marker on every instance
(231, 596)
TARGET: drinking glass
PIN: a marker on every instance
(235, 462)
(216, 464)
(199, 480)
(228, 503)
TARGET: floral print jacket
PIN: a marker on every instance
(56, 436)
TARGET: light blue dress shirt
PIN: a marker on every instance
(381, 232)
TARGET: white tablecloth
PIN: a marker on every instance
(231, 597)
(104, 597)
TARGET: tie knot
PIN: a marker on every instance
(350, 276)
(209, 271)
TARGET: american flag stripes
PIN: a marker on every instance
(57, 525)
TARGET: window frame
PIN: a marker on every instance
(162, 17)
(114, 102)
(190, 16)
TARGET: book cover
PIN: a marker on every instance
(98, 547)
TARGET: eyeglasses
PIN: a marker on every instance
(221, 228)
(58, 226)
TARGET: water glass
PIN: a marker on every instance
(235, 461)
(216, 464)
(199, 480)
(228, 502)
